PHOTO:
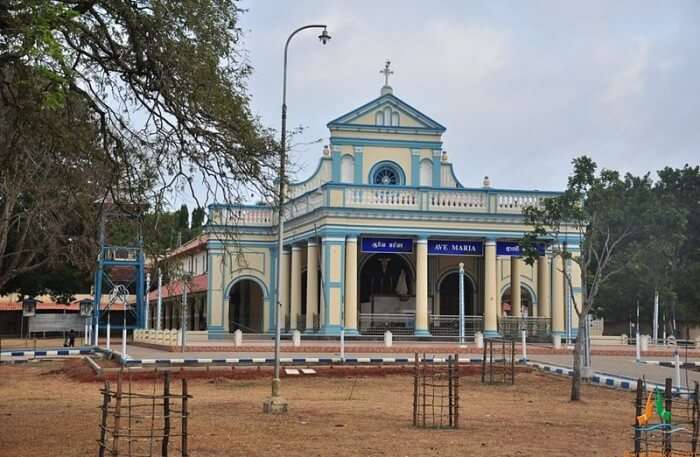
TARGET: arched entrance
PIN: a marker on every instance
(386, 275)
(245, 311)
(449, 295)
(387, 294)
(526, 300)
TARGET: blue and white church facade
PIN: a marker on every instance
(374, 239)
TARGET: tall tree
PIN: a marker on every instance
(165, 78)
(52, 172)
(682, 187)
(118, 100)
(606, 214)
(197, 220)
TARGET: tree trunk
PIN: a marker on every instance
(578, 349)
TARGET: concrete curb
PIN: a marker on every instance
(602, 379)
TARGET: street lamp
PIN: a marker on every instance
(275, 403)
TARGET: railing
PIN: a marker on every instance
(457, 200)
(383, 197)
(301, 322)
(515, 203)
(243, 216)
(445, 325)
(535, 326)
(377, 324)
(119, 253)
(334, 195)
(303, 205)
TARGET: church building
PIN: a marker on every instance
(374, 240)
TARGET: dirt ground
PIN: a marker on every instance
(46, 411)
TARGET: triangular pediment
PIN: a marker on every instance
(387, 112)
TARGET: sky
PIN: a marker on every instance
(522, 87)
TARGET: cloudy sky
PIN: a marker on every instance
(522, 87)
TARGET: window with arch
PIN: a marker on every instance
(386, 174)
(379, 118)
(395, 119)
(347, 168)
(426, 172)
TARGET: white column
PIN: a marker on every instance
(515, 296)
(422, 288)
(311, 284)
(543, 305)
(295, 299)
(284, 286)
(557, 298)
(490, 293)
(350, 323)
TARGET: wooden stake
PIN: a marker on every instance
(668, 394)
(103, 421)
(117, 416)
(166, 413)
(456, 388)
(415, 391)
(185, 413)
(450, 393)
(637, 413)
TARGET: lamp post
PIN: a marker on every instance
(275, 403)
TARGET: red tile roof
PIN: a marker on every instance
(198, 283)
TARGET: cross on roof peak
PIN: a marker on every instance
(386, 72)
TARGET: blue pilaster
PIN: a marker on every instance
(415, 167)
(359, 172)
(437, 167)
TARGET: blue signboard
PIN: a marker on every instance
(512, 248)
(387, 245)
(455, 247)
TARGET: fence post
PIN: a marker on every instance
(450, 392)
(415, 391)
(185, 413)
(166, 413)
(103, 421)
(696, 418)
(117, 416)
(668, 395)
(637, 413)
(455, 386)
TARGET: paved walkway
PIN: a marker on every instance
(627, 367)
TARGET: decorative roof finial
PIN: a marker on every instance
(386, 72)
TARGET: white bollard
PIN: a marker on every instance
(109, 335)
(479, 339)
(86, 335)
(124, 341)
(296, 338)
(342, 344)
(524, 343)
(388, 339)
(238, 338)
(677, 370)
(644, 343)
(556, 341)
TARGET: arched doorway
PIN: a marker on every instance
(449, 295)
(386, 285)
(526, 300)
(246, 300)
(387, 295)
